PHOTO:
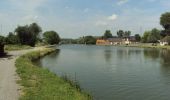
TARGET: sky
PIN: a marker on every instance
(76, 18)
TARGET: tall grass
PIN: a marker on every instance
(16, 47)
(41, 84)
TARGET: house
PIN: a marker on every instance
(102, 42)
(129, 40)
(116, 41)
(164, 41)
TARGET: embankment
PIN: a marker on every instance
(40, 84)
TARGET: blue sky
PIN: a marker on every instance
(75, 18)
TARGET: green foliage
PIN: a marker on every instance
(86, 40)
(154, 36)
(145, 37)
(28, 34)
(2, 43)
(51, 37)
(151, 36)
(2, 40)
(12, 38)
(89, 40)
(127, 34)
(107, 34)
(165, 22)
(69, 41)
(122, 34)
(41, 84)
(137, 37)
(10, 47)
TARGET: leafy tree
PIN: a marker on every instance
(28, 34)
(137, 37)
(126, 34)
(107, 34)
(165, 22)
(120, 33)
(2, 43)
(51, 37)
(145, 36)
(12, 38)
(89, 40)
(154, 36)
(151, 36)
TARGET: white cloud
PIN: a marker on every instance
(121, 2)
(112, 17)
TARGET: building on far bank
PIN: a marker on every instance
(164, 41)
(102, 42)
(116, 41)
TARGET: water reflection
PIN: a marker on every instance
(165, 55)
(127, 52)
(55, 54)
(108, 55)
(152, 53)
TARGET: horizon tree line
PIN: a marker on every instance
(29, 35)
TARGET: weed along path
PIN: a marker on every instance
(9, 89)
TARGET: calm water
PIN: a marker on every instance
(114, 73)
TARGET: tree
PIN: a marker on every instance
(12, 38)
(28, 34)
(107, 34)
(126, 34)
(120, 33)
(89, 40)
(34, 30)
(2, 43)
(151, 36)
(154, 36)
(137, 37)
(51, 37)
(145, 37)
(165, 22)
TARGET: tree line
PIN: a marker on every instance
(154, 35)
(29, 35)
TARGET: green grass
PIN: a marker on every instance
(16, 47)
(41, 84)
(148, 45)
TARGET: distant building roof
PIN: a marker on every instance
(116, 39)
(165, 39)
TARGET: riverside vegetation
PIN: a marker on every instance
(41, 84)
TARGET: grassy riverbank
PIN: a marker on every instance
(148, 45)
(41, 84)
(16, 47)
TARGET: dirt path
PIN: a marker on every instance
(9, 89)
